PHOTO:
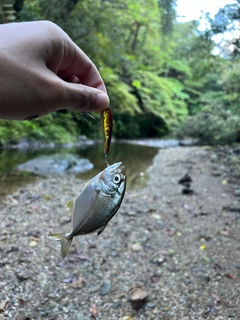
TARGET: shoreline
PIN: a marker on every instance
(26, 144)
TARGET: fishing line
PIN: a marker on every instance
(84, 114)
(90, 116)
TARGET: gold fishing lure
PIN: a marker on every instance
(107, 130)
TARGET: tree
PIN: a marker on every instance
(227, 19)
(168, 16)
(197, 68)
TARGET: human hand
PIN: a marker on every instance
(42, 70)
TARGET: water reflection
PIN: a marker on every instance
(136, 159)
(11, 179)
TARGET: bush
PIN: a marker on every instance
(214, 125)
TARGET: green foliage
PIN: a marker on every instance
(126, 127)
(53, 127)
(138, 126)
(30, 11)
(162, 97)
(168, 16)
(122, 100)
(214, 125)
(231, 86)
(213, 89)
(201, 70)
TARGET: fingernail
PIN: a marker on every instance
(102, 101)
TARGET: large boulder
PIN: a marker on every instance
(56, 164)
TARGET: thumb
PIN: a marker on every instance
(79, 97)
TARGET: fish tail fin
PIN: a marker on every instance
(65, 241)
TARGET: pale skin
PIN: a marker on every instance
(42, 70)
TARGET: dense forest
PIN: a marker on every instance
(163, 77)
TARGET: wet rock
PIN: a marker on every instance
(56, 164)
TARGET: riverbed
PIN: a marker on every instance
(182, 250)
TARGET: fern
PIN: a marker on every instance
(121, 99)
(162, 97)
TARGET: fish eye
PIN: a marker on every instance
(116, 178)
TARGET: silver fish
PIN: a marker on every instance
(95, 206)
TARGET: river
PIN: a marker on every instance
(136, 158)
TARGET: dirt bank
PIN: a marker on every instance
(184, 250)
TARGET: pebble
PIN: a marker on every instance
(79, 315)
(151, 305)
(156, 216)
(32, 243)
(117, 304)
(159, 259)
(105, 287)
(22, 276)
(136, 246)
(203, 279)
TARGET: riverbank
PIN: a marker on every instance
(183, 250)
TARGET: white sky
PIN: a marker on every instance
(191, 9)
(188, 10)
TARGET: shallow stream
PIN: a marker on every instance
(136, 158)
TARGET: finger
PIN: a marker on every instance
(67, 76)
(77, 97)
(77, 63)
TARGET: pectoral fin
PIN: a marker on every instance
(70, 205)
(101, 230)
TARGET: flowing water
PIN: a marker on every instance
(136, 158)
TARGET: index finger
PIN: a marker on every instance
(76, 62)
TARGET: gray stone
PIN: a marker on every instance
(56, 164)
(106, 287)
